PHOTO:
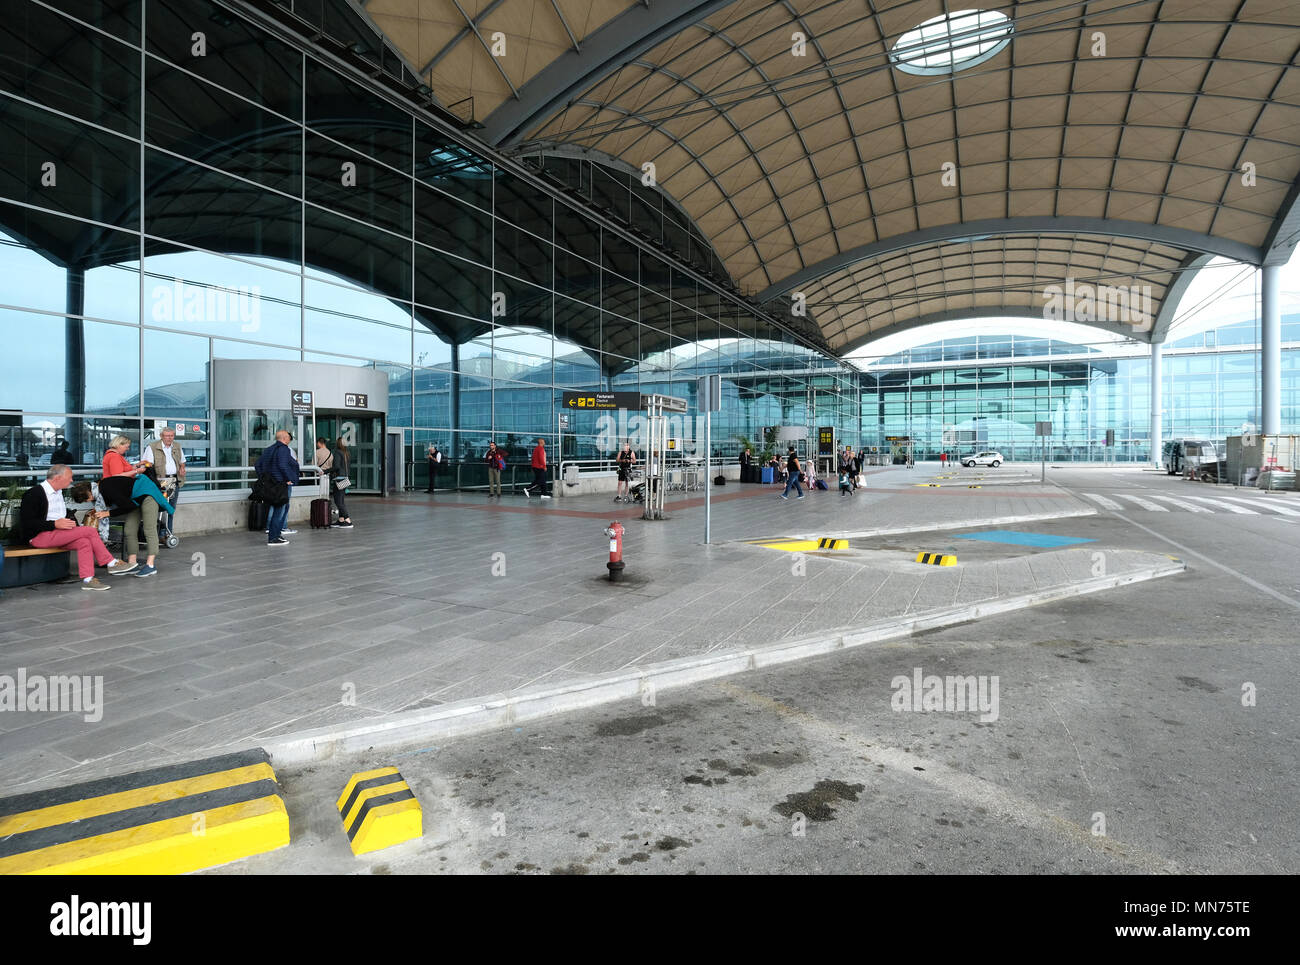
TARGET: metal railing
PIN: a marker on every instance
(202, 483)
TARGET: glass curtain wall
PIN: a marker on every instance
(164, 203)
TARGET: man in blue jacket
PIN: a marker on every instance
(278, 462)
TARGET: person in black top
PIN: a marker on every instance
(792, 475)
(626, 459)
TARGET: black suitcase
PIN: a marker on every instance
(257, 513)
(320, 514)
(719, 480)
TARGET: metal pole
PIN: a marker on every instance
(708, 473)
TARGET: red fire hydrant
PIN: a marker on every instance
(615, 533)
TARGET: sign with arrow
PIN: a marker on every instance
(300, 402)
(602, 400)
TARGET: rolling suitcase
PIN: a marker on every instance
(257, 513)
(320, 514)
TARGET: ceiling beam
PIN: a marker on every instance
(624, 38)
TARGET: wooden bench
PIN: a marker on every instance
(29, 567)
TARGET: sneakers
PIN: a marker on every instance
(800, 497)
(93, 584)
(347, 525)
(784, 496)
(288, 532)
(544, 496)
(120, 567)
(527, 494)
(277, 542)
(146, 570)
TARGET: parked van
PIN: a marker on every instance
(1179, 455)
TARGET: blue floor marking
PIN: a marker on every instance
(1042, 540)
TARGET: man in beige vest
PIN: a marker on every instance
(169, 466)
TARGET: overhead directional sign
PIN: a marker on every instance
(300, 402)
(668, 403)
(602, 400)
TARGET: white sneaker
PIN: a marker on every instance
(288, 532)
(544, 496)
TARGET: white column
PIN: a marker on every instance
(1270, 351)
(1157, 401)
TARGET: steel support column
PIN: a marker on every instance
(1270, 351)
(1157, 401)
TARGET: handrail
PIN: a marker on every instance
(220, 483)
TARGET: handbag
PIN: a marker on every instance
(342, 482)
(273, 492)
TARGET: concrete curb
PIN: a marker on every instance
(503, 710)
(939, 527)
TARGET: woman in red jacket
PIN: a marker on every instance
(115, 463)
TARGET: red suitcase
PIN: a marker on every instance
(320, 514)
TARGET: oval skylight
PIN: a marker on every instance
(952, 42)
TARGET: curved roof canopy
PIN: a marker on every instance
(1113, 142)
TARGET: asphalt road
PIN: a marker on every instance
(1147, 729)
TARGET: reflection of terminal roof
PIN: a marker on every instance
(823, 173)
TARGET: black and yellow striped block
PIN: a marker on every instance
(379, 809)
(936, 559)
(974, 487)
(805, 545)
(929, 485)
(167, 820)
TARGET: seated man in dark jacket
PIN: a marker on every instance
(44, 522)
(279, 463)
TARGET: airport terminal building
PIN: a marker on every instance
(207, 205)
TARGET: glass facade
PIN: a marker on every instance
(165, 203)
(987, 391)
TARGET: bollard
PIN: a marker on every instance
(615, 533)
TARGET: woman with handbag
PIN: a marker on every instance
(340, 481)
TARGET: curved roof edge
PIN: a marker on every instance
(1187, 273)
(996, 311)
(1039, 225)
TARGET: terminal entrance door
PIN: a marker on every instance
(364, 434)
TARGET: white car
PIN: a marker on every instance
(990, 457)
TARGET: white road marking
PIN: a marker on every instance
(1239, 510)
(1144, 503)
(1263, 503)
(1103, 501)
(1187, 551)
(1190, 507)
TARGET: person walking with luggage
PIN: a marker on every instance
(538, 488)
(278, 462)
(845, 469)
(626, 459)
(792, 475)
(496, 461)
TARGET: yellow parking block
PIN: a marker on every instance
(806, 545)
(379, 809)
(936, 559)
(167, 820)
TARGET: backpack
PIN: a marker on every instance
(501, 461)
